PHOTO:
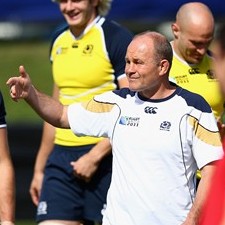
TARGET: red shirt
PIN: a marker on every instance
(214, 209)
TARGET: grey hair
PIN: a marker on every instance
(162, 47)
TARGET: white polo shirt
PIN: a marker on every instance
(157, 147)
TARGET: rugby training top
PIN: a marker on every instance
(157, 147)
(198, 78)
(87, 65)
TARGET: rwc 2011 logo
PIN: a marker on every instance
(129, 121)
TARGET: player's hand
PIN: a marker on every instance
(35, 187)
(19, 86)
(85, 167)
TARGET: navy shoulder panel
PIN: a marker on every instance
(116, 30)
(117, 39)
(195, 100)
(116, 36)
(123, 92)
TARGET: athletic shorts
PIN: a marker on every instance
(65, 197)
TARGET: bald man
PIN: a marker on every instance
(193, 32)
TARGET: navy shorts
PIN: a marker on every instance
(65, 197)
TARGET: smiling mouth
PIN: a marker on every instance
(198, 56)
(133, 77)
(73, 15)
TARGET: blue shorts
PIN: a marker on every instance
(65, 197)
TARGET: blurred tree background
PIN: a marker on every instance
(34, 56)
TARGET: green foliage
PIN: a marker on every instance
(35, 57)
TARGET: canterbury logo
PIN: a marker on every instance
(150, 110)
(194, 71)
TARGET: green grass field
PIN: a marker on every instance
(25, 222)
(35, 57)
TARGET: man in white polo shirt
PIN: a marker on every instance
(160, 135)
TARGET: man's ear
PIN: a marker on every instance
(175, 29)
(164, 67)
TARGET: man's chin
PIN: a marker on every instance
(195, 60)
(133, 88)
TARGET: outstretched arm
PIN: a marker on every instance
(45, 149)
(49, 109)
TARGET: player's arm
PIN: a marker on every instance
(49, 109)
(45, 149)
(7, 181)
(87, 165)
(202, 192)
